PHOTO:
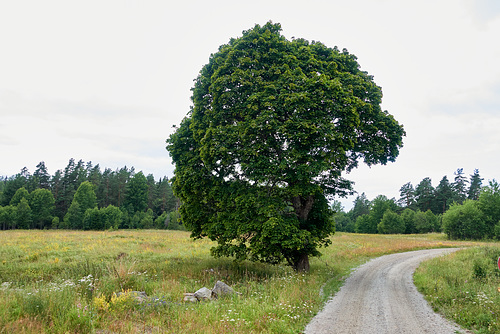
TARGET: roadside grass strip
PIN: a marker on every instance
(465, 287)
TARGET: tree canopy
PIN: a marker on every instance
(274, 123)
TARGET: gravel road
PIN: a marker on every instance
(380, 297)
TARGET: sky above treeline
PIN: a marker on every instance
(105, 81)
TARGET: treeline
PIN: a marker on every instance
(82, 196)
(463, 209)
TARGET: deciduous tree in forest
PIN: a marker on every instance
(83, 199)
(273, 126)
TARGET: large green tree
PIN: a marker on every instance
(274, 124)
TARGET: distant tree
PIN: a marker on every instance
(474, 185)
(425, 222)
(460, 186)
(23, 215)
(8, 217)
(165, 201)
(464, 221)
(380, 205)
(407, 195)
(93, 219)
(112, 217)
(42, 204)
(20, 194)
(443, 196)
(343, 222)
(361, 207)
(408, 216)
(41, 176)
(147, 220)
(12, 184)
(137, 193)
(364, 224)
(391, 223)
(83, 199)
(424, 194)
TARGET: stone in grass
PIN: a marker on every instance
(203, 294)
(189, 297)
(222, 289)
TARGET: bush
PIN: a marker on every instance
(464, 221)
(391, 223)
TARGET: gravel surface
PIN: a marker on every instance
(380, 297)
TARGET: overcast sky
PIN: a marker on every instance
(104, 81)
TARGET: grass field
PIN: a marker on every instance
(66, 282)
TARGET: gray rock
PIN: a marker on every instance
(203, 294)
(222, 289)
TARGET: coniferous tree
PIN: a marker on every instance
(443, 196)
(459, 186)
(361, 207)
(407, 195)
(137, 193)
(474, 185)
(42, 176)
(424, 194)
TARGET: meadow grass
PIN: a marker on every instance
(66, 282)
(465, 287)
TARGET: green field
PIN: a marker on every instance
(66, 282)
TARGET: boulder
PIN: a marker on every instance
(222, 289)
(203, 294)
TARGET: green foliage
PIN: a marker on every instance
(83, 199)
(137, 193)
(365, 224)
(20, 194)
(465, 221)
(343, 222)
(42, 204)
(425, 222)
(489, 203)
(408, 216)
(274, 125)
(23, 214)
(391, 223)
(424, 195)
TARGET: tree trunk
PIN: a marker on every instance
(302, 206)
(302, 263)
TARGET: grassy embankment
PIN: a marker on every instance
(65, 282)
(465, 287)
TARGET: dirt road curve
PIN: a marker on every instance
(380, 297)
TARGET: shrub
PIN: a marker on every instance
(391, 223)
(464, 221)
